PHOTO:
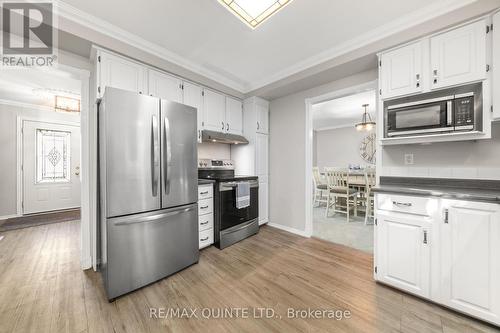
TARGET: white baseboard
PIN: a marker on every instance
(5, 217)
(289, 229)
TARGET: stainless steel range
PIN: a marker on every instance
(231, 224)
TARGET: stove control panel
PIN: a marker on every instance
(215, 164)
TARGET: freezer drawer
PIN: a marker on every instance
(144, 248)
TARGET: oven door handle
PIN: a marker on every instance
(230, 185)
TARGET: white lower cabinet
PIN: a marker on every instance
(469, 276)
(205, 215)
(404, 258)
(447, 253)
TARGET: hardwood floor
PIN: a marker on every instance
(42, 289)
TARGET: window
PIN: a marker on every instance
(52, 156)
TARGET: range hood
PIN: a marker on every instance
(219, 137)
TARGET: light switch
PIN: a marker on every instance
(408, 159)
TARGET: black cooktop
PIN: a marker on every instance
(223, 175)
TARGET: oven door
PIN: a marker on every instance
(231, 216)
(420, 118)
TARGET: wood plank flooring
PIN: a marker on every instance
(42, 289)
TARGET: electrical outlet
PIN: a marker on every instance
(408, 159)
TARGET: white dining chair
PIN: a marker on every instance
(339, 188)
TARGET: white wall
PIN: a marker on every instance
(218, 151)
(339, 147)
(287, 188)
(8, 150)
(469, 159)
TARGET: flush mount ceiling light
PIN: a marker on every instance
(366, 124)
(254, 12)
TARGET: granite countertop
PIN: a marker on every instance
(205, 181)
(462, 189)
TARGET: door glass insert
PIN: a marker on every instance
(52, 156)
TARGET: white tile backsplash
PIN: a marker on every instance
(465, 173)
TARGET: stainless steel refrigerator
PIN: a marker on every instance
(148, 189)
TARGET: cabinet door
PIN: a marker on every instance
(262, 119)
(263, 200)
(459, 56)
(165, 86)
(496, 66)
(261, 154)
(193, 97)
(403, 253)
(401, 71)
(214, 111)
(470, 268)
(234, 116)
(121, 73)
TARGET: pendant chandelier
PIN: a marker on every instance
(366, 124)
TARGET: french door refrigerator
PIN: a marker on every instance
(148, 189)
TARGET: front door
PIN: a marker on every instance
(51, 167)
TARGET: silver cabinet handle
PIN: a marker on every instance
(425, 237)
(403, 204)
(204, 239)
(227, 127)
(205, 192)
(446, 216)
(258, 125)
(153, 218)
(417, 76)
(204, 207)
(435, 72)
(168, 155)
(155, 160)
(222, 125)
(204, 223)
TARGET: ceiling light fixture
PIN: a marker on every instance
(366, 124)
(254, 12)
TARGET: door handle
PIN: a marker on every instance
(168, 155)
(155, 162)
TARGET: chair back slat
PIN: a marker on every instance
(337, 178)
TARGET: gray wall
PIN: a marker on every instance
(338, 147)
(467, 159)
(8, 150)
(287, 188)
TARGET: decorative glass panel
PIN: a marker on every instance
(52, 156)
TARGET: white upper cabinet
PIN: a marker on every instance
(470, 268)
(193, 97)
(119, 72)
(459, 56)
(403, 252)
(234, 116)
(402, 71)
(165, 86)
(214, 111)
(262, 124)
(496, 66)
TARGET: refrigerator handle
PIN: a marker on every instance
(155, 162)
(168, 155)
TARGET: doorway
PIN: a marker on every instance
(341, 165)
(40, 110)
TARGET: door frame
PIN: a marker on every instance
(88, 163)
(309, 102)
(19, 152)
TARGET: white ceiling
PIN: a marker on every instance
(302, 35)
(18, 85)
(344, 111)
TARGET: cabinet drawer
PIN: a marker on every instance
(206, 238)
(407, 204)
(205, 192)
(205, 206)
(206, 221)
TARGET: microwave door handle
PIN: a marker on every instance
(449, 113)
(168, 155)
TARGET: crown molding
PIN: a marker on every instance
(405, 22)
(94, 23)
(26, 105)
(328, 128)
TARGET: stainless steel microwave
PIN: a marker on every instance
(456, 109)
